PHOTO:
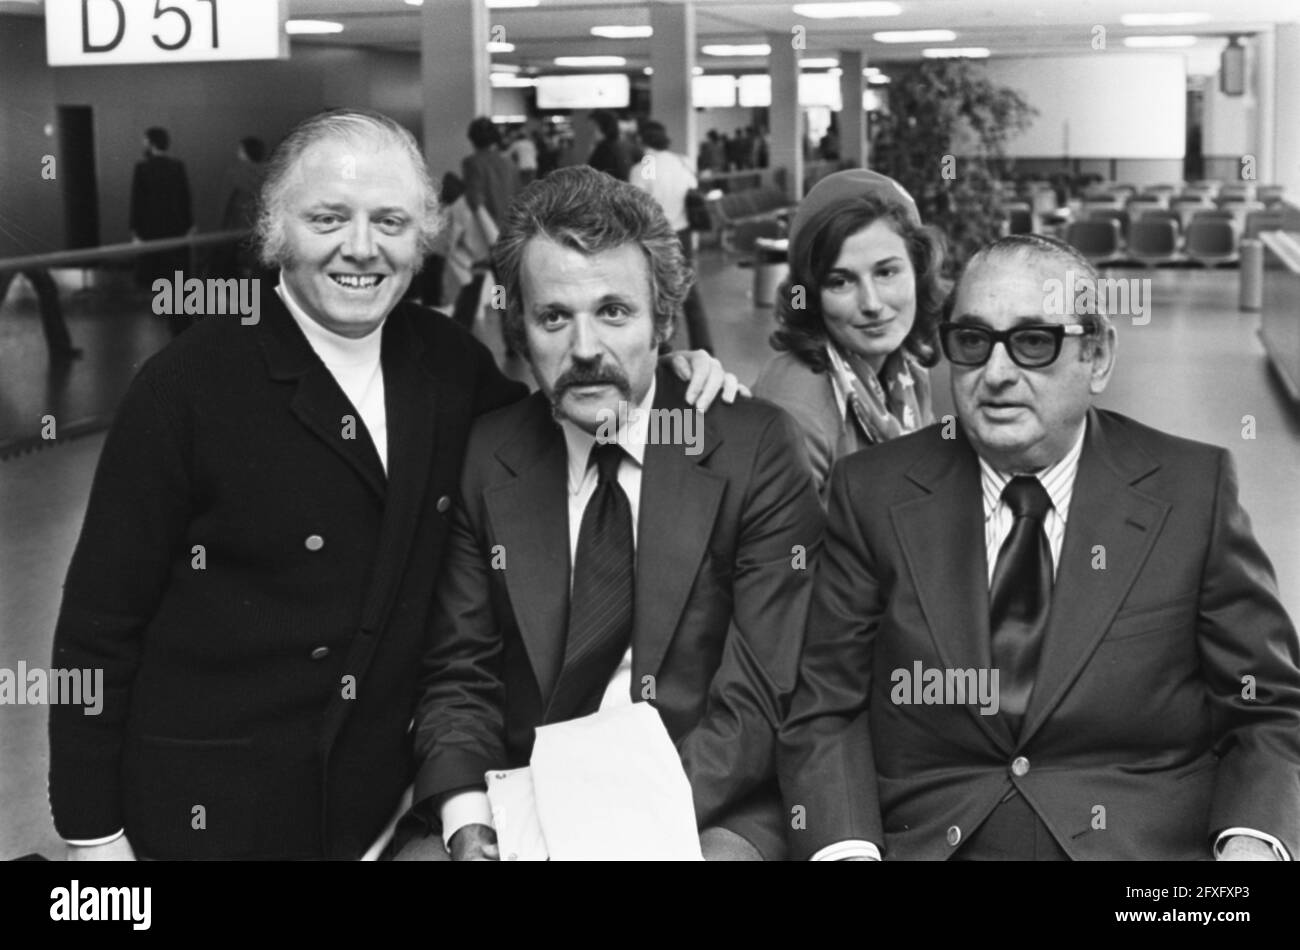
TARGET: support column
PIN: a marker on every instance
(786, 134)
(853, 120)
(454, 66)
(672, 57)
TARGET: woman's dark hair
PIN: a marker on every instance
(813, 253)
(655, 136)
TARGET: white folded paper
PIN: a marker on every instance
(607, 787)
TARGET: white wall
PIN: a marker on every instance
(1107, 104)
(1287, 153)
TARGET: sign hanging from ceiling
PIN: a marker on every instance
(112, 32)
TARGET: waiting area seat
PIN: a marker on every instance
(1211, 241)
(745, 216)
(1154, 241)
(1098, 241)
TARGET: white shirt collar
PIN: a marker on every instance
(632, 437)
(1057, 479)
(334, 350)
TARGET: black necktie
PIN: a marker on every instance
(600, 607)
(1020, 597)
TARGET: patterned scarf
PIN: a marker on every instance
(880, 414)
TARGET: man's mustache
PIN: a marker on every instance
(592, 375)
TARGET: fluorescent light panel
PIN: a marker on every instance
(845, 11)
(306, 27)
(956, 52)
(623, 32)
(590, 61)
(914, 36)
(736, 49)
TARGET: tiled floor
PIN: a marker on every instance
(1196, 369)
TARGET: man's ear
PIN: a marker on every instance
(1103, 359)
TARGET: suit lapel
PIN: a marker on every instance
(679, 503)
(529, 516)
(942, 538)
(1108, 513)
(318, 402)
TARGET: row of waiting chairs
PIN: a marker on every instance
(1211, 190)
(1208, 240)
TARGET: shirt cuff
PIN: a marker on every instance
(461, 809)
(853, 848)
(94, 842)
(1278, 848)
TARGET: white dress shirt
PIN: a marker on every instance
(471, 807)
(355, 366)
(667, 176)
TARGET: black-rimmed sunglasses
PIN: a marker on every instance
(1030, 347)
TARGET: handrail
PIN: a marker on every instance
(112, 252)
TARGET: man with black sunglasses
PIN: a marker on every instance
(1099, 575)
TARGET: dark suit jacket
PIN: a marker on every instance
(719, 606)
(272, 683)
(160, 198)
(1163, 601)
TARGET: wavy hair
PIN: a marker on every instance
(585, 209)
(813, 254)
(373, 129)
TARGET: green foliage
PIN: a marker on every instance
(944, 140)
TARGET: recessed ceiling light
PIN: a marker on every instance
(844, 11)
(504, 81)
(415, 3)
(498, 46)
(956, 52)
(835, 72)
(300, 27)
(1165, 19)
(697, 70)
(649, 71)
(511, 4)
(914, 36)
(736, 49)
(590, 61)
(824, 62)
(504, 68)
(623, 32)
(1158, 42)
(879, 80)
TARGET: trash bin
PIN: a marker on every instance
(771, 256)
(1252, 274)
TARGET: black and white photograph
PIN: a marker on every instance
(651, 430)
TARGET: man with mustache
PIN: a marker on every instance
(593, 562)
(1148, 702)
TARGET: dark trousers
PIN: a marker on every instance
(47, 296)
(697, 321)
(1012, 832)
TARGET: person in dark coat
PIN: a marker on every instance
(160, 208)
(609, 154)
